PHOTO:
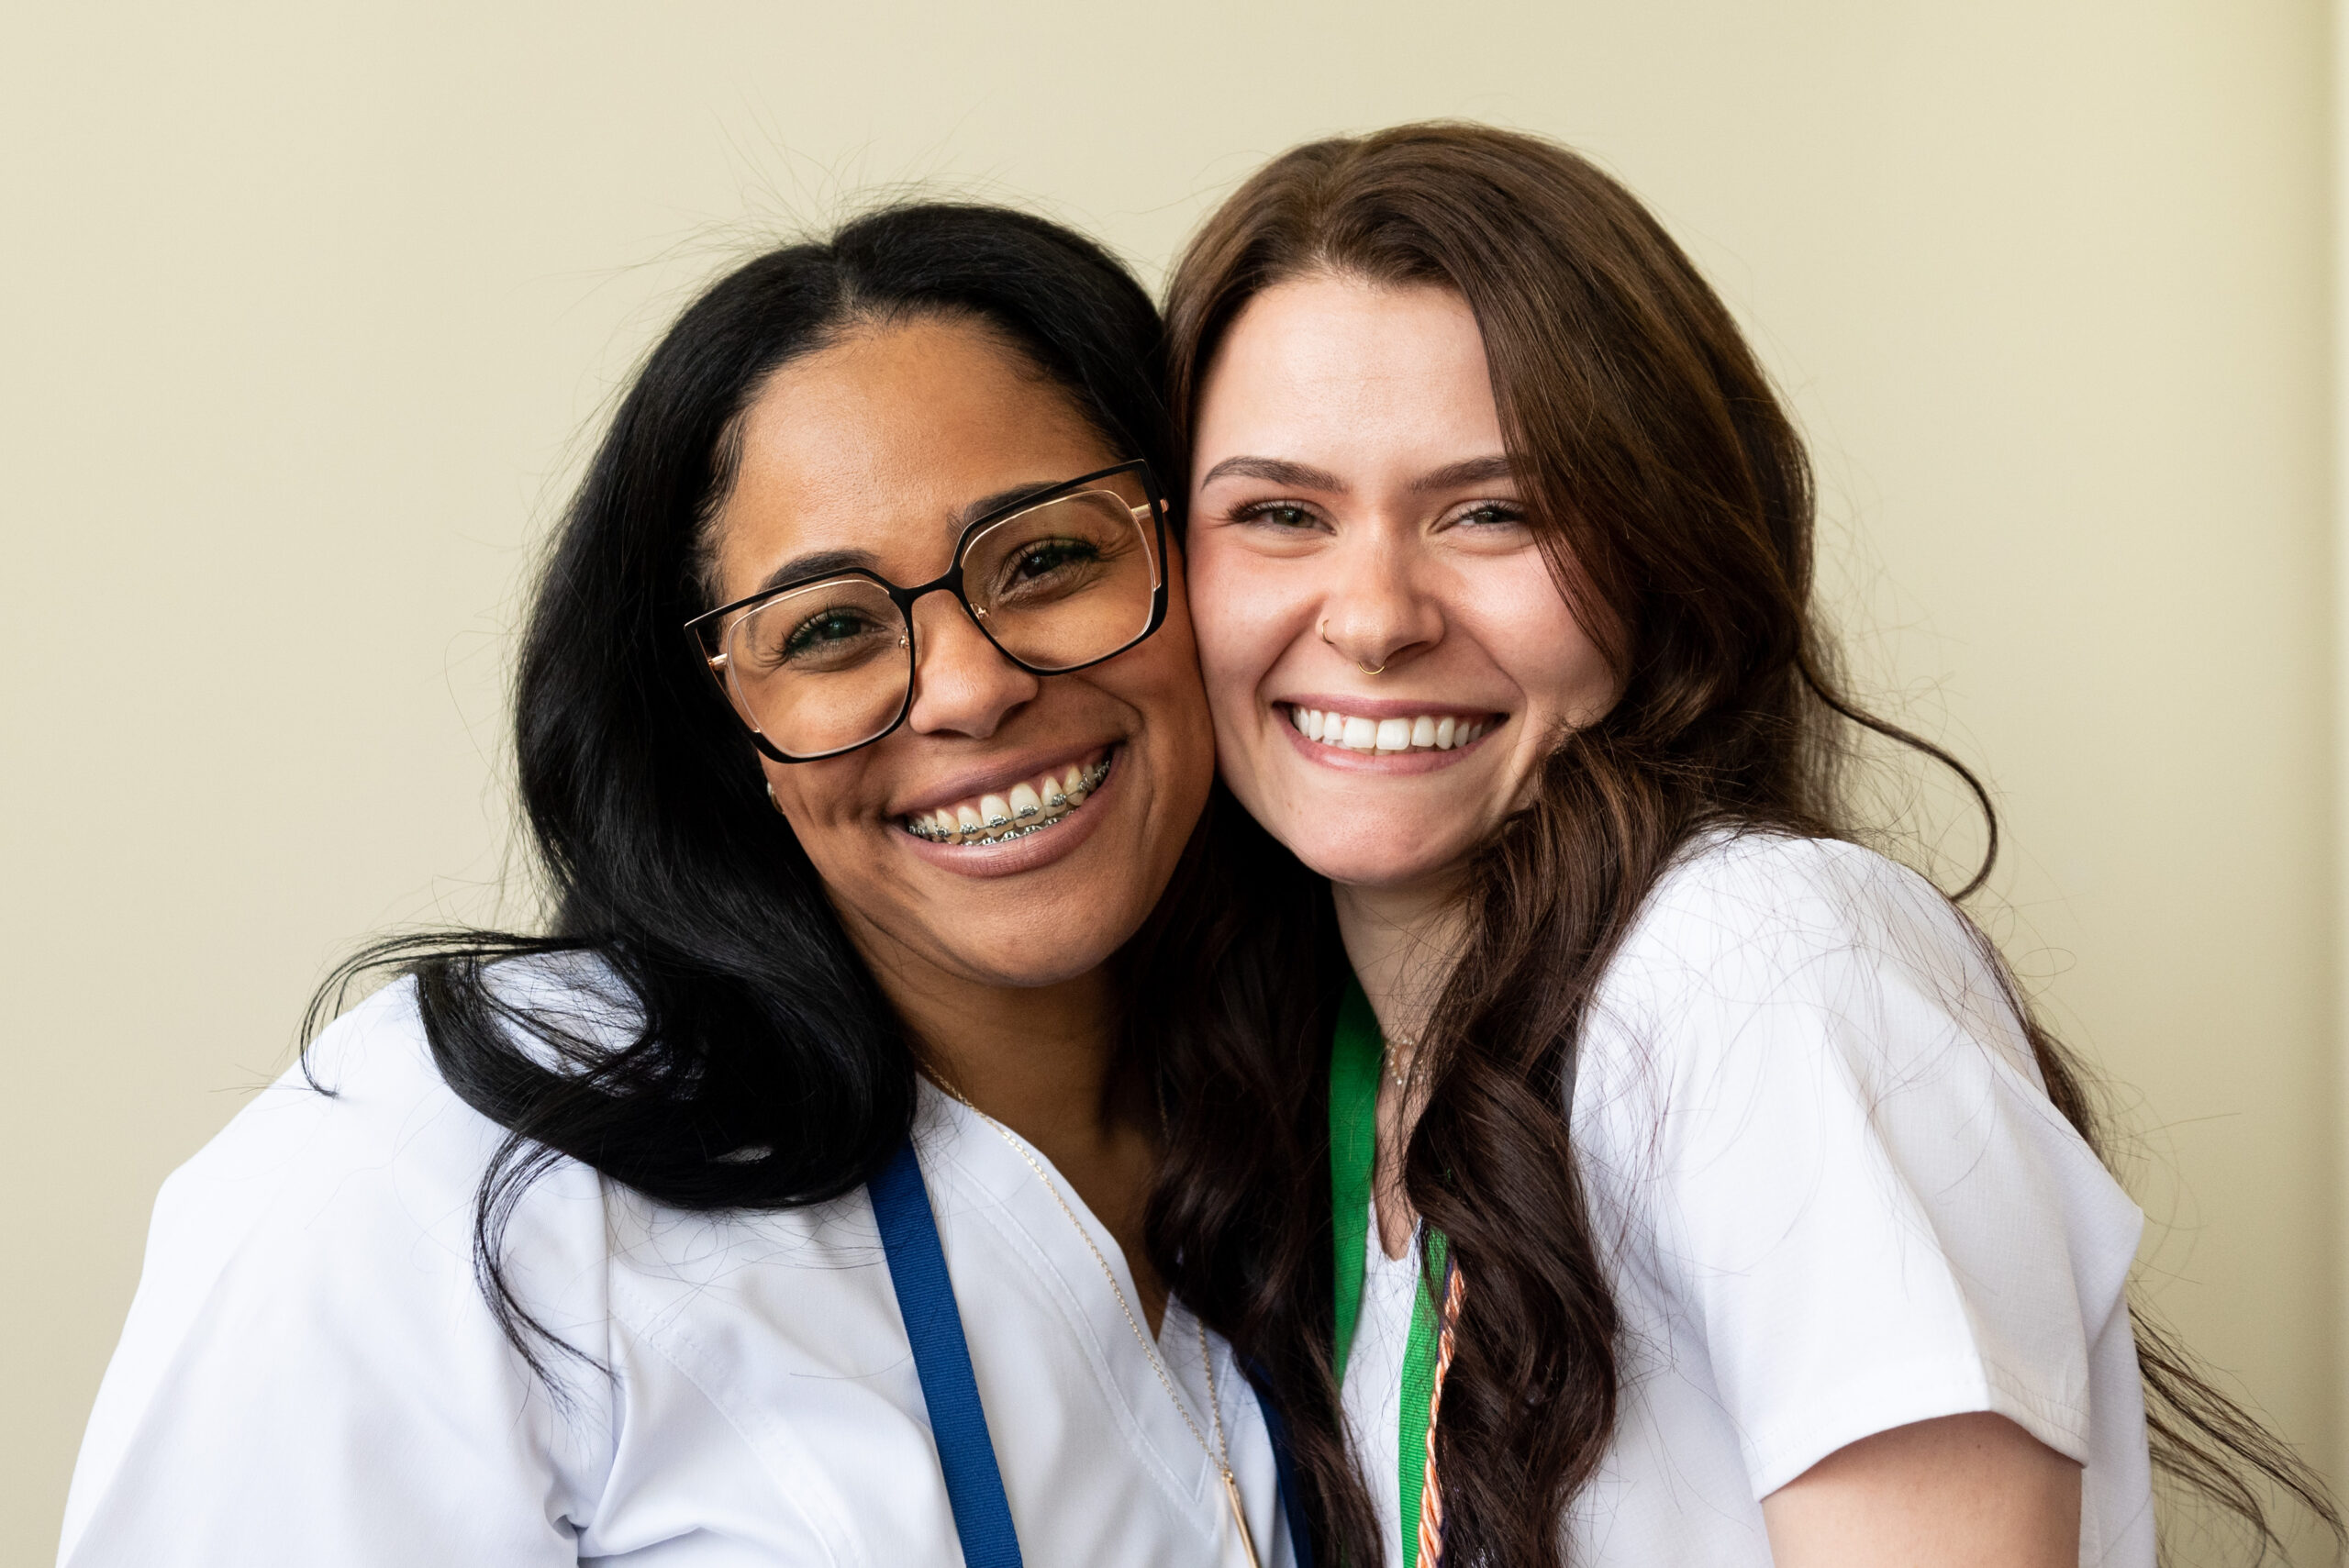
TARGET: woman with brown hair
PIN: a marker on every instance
(1659, 1176)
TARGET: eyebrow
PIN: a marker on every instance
(966, 516)
(824, 562)
(1279, 471)
(1473, 470)
(815, 563)
(1305, 476)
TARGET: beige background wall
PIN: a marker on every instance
(308, 312)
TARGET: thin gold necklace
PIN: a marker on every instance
(1400, 1074)
(1219, 1455)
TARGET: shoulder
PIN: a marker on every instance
(1817, 1142)
(358, 1170)
(1755, 935)
(365, 1099)
(368, 1105)
(1778, 896)
(310, 1291)
(1780, 982)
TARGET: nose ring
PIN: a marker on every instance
(1377, 669)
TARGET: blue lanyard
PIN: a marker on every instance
(942, 1361)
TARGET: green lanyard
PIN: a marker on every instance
(1355, 1057)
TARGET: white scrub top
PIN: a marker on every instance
(310, 1374)
(1831, 1198)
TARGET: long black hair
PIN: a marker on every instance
(759, 1066)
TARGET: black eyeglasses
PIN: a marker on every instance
(1060, 580)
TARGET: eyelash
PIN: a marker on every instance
(1486, 512)
(1262, 511)
(1492, 512)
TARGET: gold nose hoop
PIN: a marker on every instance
(1377, 669)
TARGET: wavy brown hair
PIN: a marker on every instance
(1665, 479)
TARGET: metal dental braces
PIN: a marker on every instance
(1003, 830)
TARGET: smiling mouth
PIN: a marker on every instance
(1031, 806)
(1391, 736)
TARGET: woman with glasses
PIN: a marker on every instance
(783, 1202)
(1671, 1180)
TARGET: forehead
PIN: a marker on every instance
(879, 441)
(1349, 367)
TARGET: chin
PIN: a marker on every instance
(1381, 854)
(1044, 930)
(1020, 971)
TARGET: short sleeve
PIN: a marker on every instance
(310, 1372)
(1810, 1123)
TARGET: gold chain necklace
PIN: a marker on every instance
(1219, 1455)
(1398, 1063)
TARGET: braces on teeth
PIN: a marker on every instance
(1026, 808)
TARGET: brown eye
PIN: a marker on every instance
(830, 638)
(1280, 514)
(1053, 558)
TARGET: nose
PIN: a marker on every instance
(1376, 612)
(963, 684)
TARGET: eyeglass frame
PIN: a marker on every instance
(949, 582)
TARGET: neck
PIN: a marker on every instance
(1040, 1059)
(1402, 941)
(1036, 1059)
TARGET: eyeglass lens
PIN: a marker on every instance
(1059, 586)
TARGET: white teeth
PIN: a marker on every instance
(995, 811)
(1074, 784)
(1025, 802)
(1053, 798)
(1423, 733)
(967, 819)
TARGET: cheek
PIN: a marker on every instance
(1178, 730)
(1245, 608)
(1542, 646)
(1160, 678)
(814, 798)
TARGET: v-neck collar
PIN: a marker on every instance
(977, 1178)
